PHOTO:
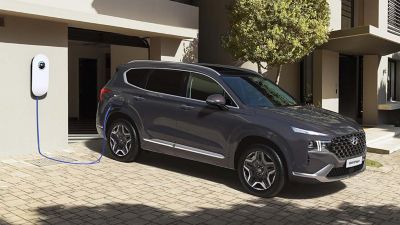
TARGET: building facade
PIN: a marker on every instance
(357, 73)
(84, 40)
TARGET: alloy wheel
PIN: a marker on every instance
(120, 140)
(259, 170)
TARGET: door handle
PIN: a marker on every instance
(138, 98)
(186, 107)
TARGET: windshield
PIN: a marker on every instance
(258, 92)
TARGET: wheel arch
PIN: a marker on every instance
(119, 114)
(256, 139)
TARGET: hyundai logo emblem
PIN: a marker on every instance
(354, 140)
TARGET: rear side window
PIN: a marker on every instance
(137, 77)
(172, 82)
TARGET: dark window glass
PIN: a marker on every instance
(137, 77)
(258, 92)
(200, 87)
(392, 81)
(171, 82)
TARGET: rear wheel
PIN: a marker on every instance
(123, 141)
(261, 171)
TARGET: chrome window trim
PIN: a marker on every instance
(185, 148)
(160, 68)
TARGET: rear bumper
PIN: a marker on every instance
(100, 130)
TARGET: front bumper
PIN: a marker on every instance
(327, 167)
(322, 175)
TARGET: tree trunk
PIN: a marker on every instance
(278, 74)
(259, 68)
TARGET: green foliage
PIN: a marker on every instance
(276, 31)
(372, 163)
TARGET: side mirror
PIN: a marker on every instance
(217, 100)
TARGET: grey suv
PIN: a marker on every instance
(228, 117)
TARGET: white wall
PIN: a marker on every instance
(335, 7)
(123, 54)
(168, 49)
(131, 17)
(326, 80)
(155, 11)
(78, 50)
(20, 40)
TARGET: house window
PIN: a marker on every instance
(347, 14)
(392, 81)
(393, 17)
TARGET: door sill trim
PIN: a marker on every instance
(185, 148)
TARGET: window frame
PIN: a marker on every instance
(182, 70)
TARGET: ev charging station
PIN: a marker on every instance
(40, 69)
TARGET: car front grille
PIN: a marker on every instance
(343, 171)
(348, 146)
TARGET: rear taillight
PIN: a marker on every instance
(103, 91)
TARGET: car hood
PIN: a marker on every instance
(313, 118)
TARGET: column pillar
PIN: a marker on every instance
(374, 87)
(326, 80)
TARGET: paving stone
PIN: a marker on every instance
(164, 190)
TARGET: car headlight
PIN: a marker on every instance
(318, 146)
(309, 132)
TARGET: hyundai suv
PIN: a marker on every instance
(228, 117)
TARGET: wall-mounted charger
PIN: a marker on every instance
(40, 75)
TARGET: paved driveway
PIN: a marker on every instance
(164, 190)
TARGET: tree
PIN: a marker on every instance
(191, 51)
(276, 32)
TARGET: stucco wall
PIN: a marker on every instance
(335, 7)
(124, 54)
(20, 40)
(213, 23)
(326, 79)
(131, 17)
(155, 11)
(168, 49)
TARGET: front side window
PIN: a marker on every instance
(258, 92)
(172, 82)
(200, 87)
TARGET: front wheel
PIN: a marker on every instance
(261, 171)
(123, 141)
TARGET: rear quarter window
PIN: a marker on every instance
(137, 77)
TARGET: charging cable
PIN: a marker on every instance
(103, 148)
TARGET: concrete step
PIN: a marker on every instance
(381, 133)
(76, 138)
(386, 146)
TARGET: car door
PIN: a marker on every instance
(204, 130)
(156, 102)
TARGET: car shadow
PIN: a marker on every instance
(223, 176)
(258, 211)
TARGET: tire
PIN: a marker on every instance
(123, 141)
(256, 174)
